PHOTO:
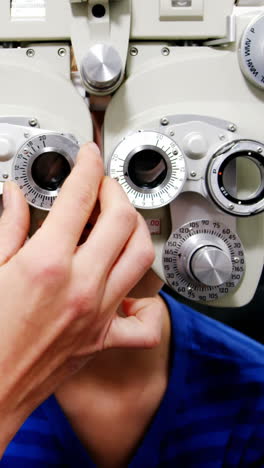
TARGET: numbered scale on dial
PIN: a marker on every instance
(41, 165)
(251, 52)
(150, 167)
(203, 260)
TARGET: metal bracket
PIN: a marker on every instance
(21, 121)
(113, 28)
(231, 34)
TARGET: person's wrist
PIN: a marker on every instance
(16, 403)
(11, 421)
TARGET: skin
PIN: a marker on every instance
(120, 390)
(111, 402)
(62, 303)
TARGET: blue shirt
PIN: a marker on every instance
(212, 413)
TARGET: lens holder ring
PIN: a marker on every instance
(236, 206)
(147, 140)
(165, 158)
(28, 153)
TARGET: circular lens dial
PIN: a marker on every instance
(203, 260)
(235, 178)
(251, 52)
(150, 167)
(41, 166)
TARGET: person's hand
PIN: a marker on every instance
(59, 300)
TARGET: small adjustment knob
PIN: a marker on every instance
(101, 68)
(7, 148)
(195, 145)
(211, 266)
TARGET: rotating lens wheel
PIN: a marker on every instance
(150, 167)
(41, 166)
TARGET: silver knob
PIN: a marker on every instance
(211, 266)
(101, 68)
(203, 260)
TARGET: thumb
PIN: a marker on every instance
(140, 328)
(14, 222)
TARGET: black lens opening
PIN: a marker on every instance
(49, 170)
(227, 178)
(98, 10)
(147, 168)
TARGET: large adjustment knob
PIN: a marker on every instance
(251, 51)
(210, 265)
(101, 69)
(203, 260)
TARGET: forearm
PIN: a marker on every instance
(27, 378)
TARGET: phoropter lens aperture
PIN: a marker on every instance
(235, 178)
(242, 177)
(49, 170)
(147, 169)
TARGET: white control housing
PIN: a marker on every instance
(181, 74)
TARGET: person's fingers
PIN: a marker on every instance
(14, 222)
(75, 202)
(141, 328)
(112, 230)
(135, 261)
(148, 286)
